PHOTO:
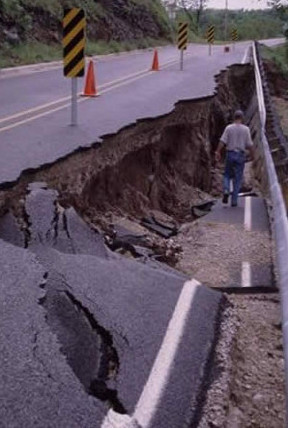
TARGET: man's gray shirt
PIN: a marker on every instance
(237, 137)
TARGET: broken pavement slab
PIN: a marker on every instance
(203, 208)
(50, 224)
(10, 230)
(162, 229)
(38, 388)
(72, 292)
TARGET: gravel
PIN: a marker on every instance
(210, 251)
(247, 389)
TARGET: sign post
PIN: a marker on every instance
(74, 110)
(74, 24)
(234, 34)
(182, 60)
(182, 41)
(211, 38)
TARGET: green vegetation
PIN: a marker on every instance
(35, 52)
(28, 53)
(31, 30)
(278, 55)
(277, 62)
(251, 25)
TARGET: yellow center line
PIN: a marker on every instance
(109, 87)
(60, 100)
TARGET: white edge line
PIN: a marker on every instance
(248, 214)
(154, 388)
(116, 420)
(246, 274)
(245, 57)
(157, 381)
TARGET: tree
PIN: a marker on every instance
(280, 6)
(193, 9)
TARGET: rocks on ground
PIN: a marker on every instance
(247, 380)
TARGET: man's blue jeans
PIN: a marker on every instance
(234, 168)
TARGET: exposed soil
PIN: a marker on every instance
(281, 106)
(247, 389)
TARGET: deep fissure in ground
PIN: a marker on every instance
(157, 164)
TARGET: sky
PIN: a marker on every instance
(238, 4)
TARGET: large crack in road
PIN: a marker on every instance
(64, 212)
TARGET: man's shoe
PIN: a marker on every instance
(234, 204)
(225, 198)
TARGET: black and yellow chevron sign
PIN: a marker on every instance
(211, 34)
(234, 34)
(74, 24)
(183, 36)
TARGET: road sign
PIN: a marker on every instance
(210, 37)
(182, 41)
(74, 24)
(234, 35)
(182, 35)
(211, 34)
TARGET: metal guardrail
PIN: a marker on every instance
(280, 221)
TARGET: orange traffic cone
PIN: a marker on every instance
(90, 85)
(155, 64)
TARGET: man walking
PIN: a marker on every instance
(236, 138)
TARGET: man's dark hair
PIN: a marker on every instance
(239, 115)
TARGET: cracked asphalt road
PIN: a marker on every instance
(45, 341)
(43, 384)
(38, 387)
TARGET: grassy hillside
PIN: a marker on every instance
(277, 55)
(30, 30)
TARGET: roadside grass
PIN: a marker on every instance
(279, 55)
(28, 53)
(36, 52)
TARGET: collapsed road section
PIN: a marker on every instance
(93, 283)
